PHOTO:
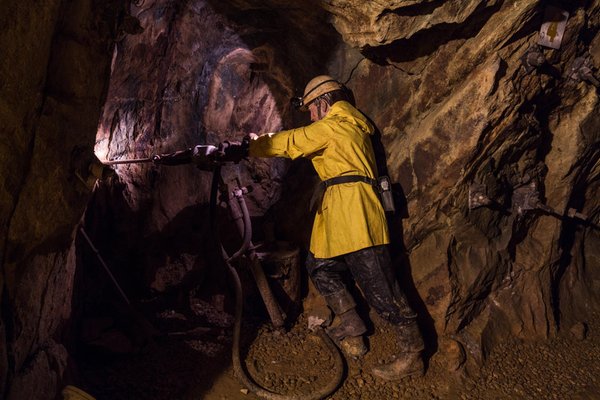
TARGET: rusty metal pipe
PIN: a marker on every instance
(275, 313)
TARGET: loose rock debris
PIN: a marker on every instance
(293, 362)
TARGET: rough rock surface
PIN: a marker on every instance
(53, 77)
(444, 81)
(377, 23)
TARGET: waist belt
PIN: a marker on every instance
(317, 196)
(348, 179)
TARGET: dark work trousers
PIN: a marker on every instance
(372, 271)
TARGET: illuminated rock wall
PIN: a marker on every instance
(456, 109)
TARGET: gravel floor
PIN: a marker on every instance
(197, 366)
(565, 367)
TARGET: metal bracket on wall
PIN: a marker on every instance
(582, 69)
(533, 58)
(478, 196)
(573, 213)
(524, 198)
(527, 197)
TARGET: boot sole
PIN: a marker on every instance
(398, 378)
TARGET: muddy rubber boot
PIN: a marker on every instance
(351, 325)
(409, 361)
(407, 364)
(348, 334)
(354, 347)
(347, 322)
(348, 326)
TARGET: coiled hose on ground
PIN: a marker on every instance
(238, 369)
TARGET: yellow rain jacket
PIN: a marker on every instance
(351, 216)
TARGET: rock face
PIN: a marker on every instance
(378, 23)
(468, 113)
(53, 70)
(497, 160)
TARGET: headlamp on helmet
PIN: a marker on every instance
(296, 102)
(317, 87)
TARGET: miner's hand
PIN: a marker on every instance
(233, 151)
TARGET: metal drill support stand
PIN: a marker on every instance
(234, 197)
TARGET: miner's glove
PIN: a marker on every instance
(234, 151)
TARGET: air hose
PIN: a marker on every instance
(238, 369)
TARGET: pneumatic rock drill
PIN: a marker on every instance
(212, 158)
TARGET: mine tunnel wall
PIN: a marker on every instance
(445, 85)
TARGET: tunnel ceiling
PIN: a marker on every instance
(496, 159)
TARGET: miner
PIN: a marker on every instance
(350, 231)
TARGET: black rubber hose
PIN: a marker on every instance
(245, 215)
(239, 371)
(246, 228)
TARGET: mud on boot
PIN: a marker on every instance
(407, 364)
(353, 347)
(350, 325)
(348, 334)
(409, 360)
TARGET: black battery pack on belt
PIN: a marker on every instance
(385, 192)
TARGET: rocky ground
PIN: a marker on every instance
(192, 361)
